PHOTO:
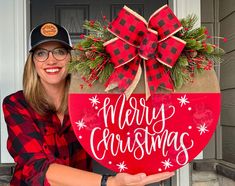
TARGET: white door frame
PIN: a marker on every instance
(13, 51)
(182, 8)
(15, 15)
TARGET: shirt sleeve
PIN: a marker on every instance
(26, 144)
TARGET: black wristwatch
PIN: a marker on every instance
(104, 179)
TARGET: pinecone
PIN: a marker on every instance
(90, 55)
(81, 57)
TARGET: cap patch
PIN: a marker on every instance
(49, 30)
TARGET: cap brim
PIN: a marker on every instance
(48, 40)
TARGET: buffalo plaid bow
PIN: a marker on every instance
(137, 41)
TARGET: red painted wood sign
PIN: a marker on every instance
(161, 134)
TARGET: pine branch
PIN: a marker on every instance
(93, 62)
(105, 74)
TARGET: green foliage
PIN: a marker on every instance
(81, 67)
(197, 56)
(108, 69)
(93, 63)
(90, 59)
(189, 21)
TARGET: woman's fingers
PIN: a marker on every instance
(124, 179)
(128, 179)
(136, 179)
(157, 177)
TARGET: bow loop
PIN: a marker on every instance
(164, 22)
(129, 26)
(169, 50)
(120, 52)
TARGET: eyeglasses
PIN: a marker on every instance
(43, 54)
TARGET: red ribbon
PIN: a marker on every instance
(137, 41)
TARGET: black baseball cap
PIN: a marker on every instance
(49, 32)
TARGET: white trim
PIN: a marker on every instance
(20, 40)
(183, 176)
(182, 8)
(13, 37)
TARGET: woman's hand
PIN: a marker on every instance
(141, 179)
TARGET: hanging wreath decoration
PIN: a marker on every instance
(172, 51)
(151, 132)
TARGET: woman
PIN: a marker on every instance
(41, 139)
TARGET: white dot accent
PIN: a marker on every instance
(96, 108)
(159, 169)
(128, 133)
(80, 137)
(190, 108)
(110, 162)
(189, 127)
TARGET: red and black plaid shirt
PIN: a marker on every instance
(35, 142)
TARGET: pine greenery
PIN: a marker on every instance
(93, 63)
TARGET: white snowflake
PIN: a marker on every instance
(80, 124)
(122, 166)
(167, 163)
(183, 100)
(202, 129)
(94, 100)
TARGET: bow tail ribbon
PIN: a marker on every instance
(156, 76)
(125, 77)
(127, 70)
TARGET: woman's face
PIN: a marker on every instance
(51, 67)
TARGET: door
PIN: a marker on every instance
(72, 13)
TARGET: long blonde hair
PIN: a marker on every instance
(35, 93)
